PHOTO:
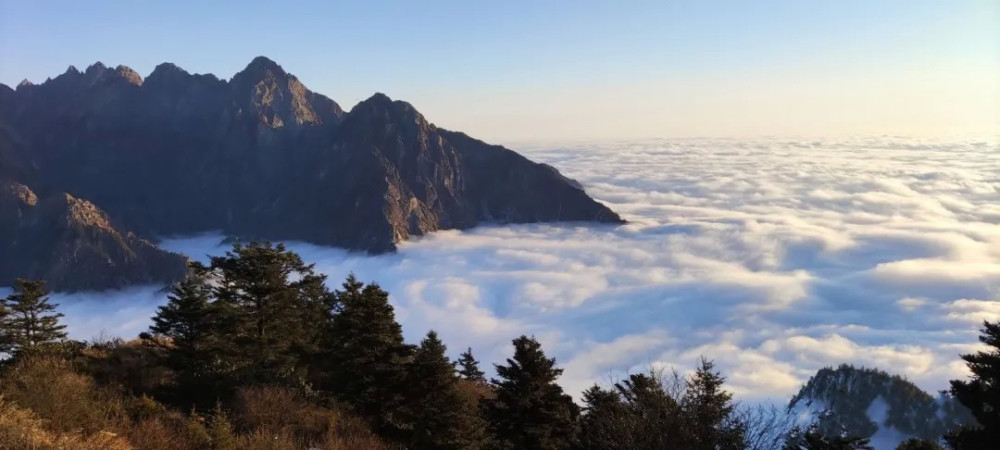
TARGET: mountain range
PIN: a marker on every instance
(96, 165)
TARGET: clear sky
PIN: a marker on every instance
(514, 70)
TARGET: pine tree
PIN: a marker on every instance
(980, 394)
(643, 412)
(276, 308)
(708, 411)
(813, 439)
(656, 418)
(638, 414)
(469, 367)
(366, 358)
(188, 329)
(441, 418)
(919, 444)
(530, 411)
(31, 321)
(605, 423)
(6, 337)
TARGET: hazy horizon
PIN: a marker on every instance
(520, 71)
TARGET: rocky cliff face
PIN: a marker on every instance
(262, 156)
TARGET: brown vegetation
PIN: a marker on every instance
(48, 402)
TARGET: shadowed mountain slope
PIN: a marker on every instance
(261, 156)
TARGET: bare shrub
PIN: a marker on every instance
(766, 427)
(21, 428)
(67, 400)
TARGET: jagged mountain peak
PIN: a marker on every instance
(265, 63)
(174, 78)
(377, 98)
(278, 98)
(96, 68)
(258, 69)
(98, 73)
(129, 75)
(80, 212)
(380, 100)
(167, 70)
(258, 156)
(382, 107)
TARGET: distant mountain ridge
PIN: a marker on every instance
(871, 403)
(259, 156)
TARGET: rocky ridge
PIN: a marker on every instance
(258, 156)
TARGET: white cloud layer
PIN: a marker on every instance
(774, 257)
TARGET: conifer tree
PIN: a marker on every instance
(638, 414)
(275, 307)
(366, 358)
(188, 328)
(708, 410)
(643, 412)
(441, 418)
(656, 418)
(468, 367)
(813, 439)
(529, 410)
(980, 394)
(919, 444)
(605, 423)
(6, 337)
(31, 321)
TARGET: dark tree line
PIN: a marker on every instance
(260, 317)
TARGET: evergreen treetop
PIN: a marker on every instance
(813, 439)
(708, 409)
(441, 418)
(919, 444)
(189, 329)
(980, 394)
(365, 358)
(468, 367)
(185, 317)
(529, 410)
(272, 304)
(6, 337)
(30, 321)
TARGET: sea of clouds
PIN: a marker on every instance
(773, 257)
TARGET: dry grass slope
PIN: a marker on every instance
(47, 402)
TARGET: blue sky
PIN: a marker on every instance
(522, 70)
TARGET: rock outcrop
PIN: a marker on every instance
(68, 241)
